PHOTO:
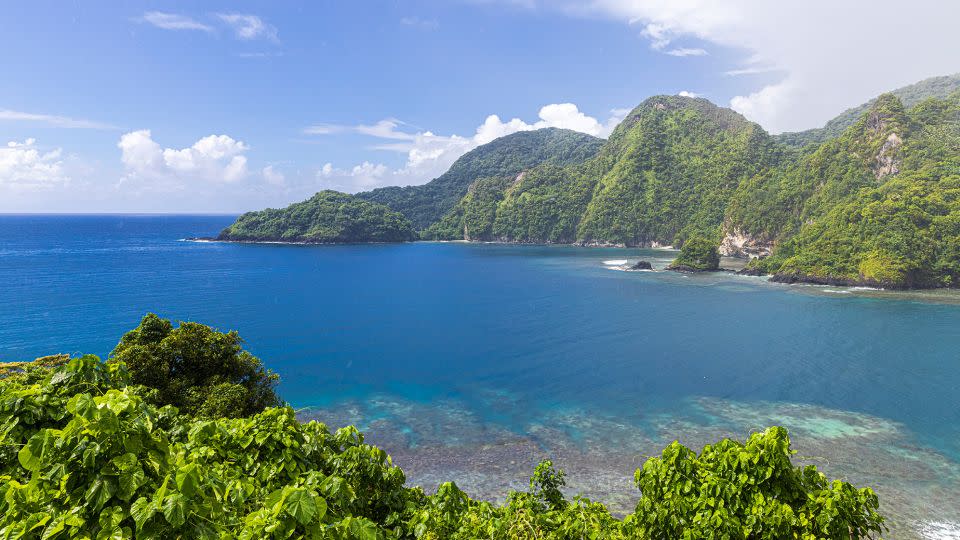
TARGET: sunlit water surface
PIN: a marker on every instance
(472, 362)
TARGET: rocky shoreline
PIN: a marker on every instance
(783, 278)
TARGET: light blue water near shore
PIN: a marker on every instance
(434, 345)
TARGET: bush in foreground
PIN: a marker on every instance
(197, 369)
(84, 455)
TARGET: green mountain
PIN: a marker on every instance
(329, 217)
(882, 205)
(667, 170)
(507, 156)
(875, 204)
(934, 87)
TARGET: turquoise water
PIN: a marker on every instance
(473, 361)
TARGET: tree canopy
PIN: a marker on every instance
(697, 254)
(329, 217)
(195, 368)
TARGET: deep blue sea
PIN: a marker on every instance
(472, 361)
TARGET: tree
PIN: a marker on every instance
(199, 370)
(697, 254)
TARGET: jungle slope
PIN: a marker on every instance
(506, 156)
(329, 217)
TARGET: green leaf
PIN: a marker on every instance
(301, 506)
(188, 479)
(130, 482)
(31, 454)
(141, 510)
(175, 510)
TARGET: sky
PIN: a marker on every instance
(224, 107)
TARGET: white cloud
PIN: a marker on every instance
(826, 55)
(24, 167)
(685, 93)
(746, 71)
(429, 155)
(685, 51)
(273, 176)
(248, 27)
(52, 120)
(215, 158)
(173, 21)
(359, 178)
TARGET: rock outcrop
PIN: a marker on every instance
(737, 243)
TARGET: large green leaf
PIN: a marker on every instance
(301, 504)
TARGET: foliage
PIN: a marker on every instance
(545, 206)
(734, 490)
(666, 173)
(505, 157)
(699, 254)
(870, 199)
(84, 455)
(669, 170)
(97, 461)
(473, 216)
(933, 87)
(329, 217)
(197, 369)
(890, 228)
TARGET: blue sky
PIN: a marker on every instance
(224, 107)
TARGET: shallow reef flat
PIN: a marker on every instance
(487, 452)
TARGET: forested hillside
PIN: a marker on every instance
(934, 87)
(329, 217)
(509, 155)
(886, 210)
(874, 205)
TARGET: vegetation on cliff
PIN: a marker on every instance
(329, 217)
(84, 455)
(882, 206)
(910, 95)
(876, 205)
(873, 203)
(698, 254)
(507, 156)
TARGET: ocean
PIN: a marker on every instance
(470, 362)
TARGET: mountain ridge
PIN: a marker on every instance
(678, 167)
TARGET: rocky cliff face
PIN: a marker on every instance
(888, 162)
(737, 243)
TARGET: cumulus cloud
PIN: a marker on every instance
(215, 158)
(174, 21)
(52, 120)
(358, 178)
(685, 93)
(429, 155)
(822, 55)
(23, 166)
(273, 176)
(248, 27)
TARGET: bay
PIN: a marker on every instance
(473, 361)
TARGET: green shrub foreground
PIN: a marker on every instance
(84, 455)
